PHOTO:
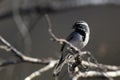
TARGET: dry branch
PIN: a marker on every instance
(38, 73)
(112, 71)
(21, 57)
(111, 74)
(108, 71)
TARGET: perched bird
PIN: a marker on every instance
(79, 38)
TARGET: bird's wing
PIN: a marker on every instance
(68, 39)
(63, 55)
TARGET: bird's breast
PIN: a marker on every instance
(78, 41)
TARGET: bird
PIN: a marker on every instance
(79, 38)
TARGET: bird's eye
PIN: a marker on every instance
(80, 26)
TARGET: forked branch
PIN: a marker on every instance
(111, 71)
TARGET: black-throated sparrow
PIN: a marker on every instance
(79, 38)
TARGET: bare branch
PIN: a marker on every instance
(22, 57)
(87, 74)
(93, 65)
(4, 47)
(107, 70)
(112, 71)
(46, 68)
(51, 63)
(61, 41)
(22, 27)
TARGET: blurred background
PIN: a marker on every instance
(103, 17)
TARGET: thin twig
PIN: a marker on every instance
(61, 41)
(113, 71)
(20, 55)
(38, 73)
(87, 74)
(107, 74)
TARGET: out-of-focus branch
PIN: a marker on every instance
(55, 6)
(22, 27)
(50, 63)
(21, 57)
(106, 71)
(112, 71)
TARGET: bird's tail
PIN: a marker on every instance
(60, 64)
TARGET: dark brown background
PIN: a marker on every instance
(104, 44)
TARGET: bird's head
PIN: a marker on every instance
(82, 26)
